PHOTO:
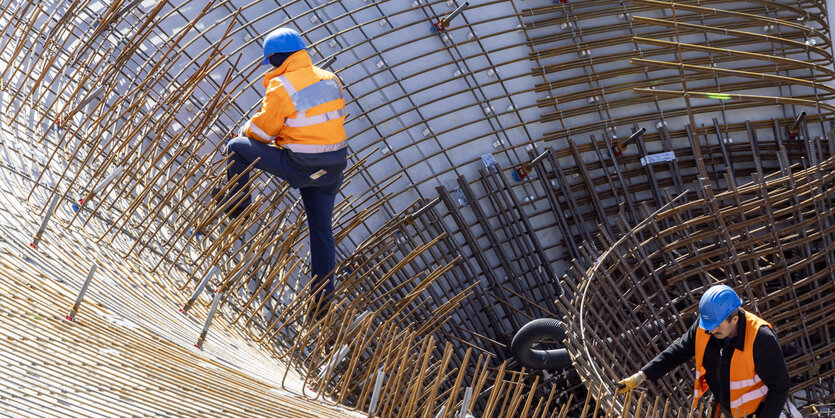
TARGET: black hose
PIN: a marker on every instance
(533, 332)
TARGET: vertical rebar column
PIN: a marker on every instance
(440, 413)
(212, 271)
(96, 190)
(218, 296)
(375, 396)
(45, 221)
(465, 404)
(795, 128)
(74, 311)
(334, 361)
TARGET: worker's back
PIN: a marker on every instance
(309, 99)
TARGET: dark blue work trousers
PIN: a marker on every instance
(318, 195)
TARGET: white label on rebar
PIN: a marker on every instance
(488, 160)
(657, 158)
(462, 199)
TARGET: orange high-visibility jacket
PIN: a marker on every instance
(747, 390)
(303, 109)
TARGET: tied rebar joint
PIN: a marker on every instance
(620, 147)
(107, 28)
(795, 128)
(521, 172)
(410, 218)
(442, 24)
(328, 62)
(58, 125)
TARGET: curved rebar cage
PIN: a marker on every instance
(770, 240)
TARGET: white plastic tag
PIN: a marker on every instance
(657, 158)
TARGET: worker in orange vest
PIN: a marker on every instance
(737, 358)
(298, 135)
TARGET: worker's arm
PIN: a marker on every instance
(269, 120)
(771, 368)
(677, 353)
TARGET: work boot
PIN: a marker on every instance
(236, 212)
(317, 309)
(218, 196)
(221, 197)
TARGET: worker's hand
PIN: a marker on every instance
(631, 382)
(242, 130)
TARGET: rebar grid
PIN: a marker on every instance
(127, 122)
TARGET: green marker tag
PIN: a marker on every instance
(719, 96)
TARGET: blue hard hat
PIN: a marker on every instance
(716, 305)
(282, 40)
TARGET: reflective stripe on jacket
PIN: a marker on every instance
(747, 390)
(303, 109)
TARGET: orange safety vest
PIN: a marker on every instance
(303, 109)
(747, 390)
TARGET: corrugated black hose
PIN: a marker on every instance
(534, 332)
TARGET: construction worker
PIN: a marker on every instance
(298, 135)
(737, 358)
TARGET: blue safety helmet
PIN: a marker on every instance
(716, 305)
(282, 40)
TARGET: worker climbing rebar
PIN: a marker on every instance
(737, 358)
(297, 135)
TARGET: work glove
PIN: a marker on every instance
(631, 382)
(242, 130)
